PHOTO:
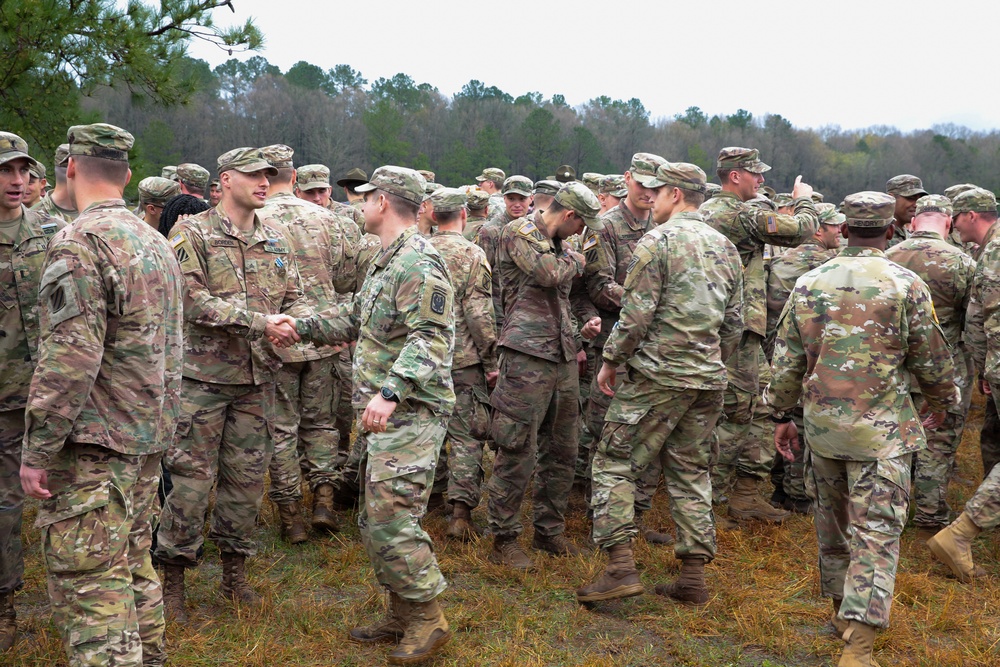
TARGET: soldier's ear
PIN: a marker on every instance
(843, 230)
(128, 177)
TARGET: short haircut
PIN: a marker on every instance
(867, 232)
(401, 207)
(990, 216)
(692, 198)
(445, 217)
(723, 174)
(193, 187)
(109, 171)
(556, 207)
(284, 175)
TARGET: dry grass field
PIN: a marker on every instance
(765, 608)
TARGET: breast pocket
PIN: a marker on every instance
(225, 279)
(271, 275)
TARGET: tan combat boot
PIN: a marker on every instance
(293, 529)
(839, 624)
(426, 632)
(506, 551)
(389, 629)
(8, 621)
(173, 594)
(620, 578)
(324, 518)
(651, 535)
(745, 502)
(234, 582)
(460, 526)
(953, 547)
(556, 545)
(690, 585)
(860, 640)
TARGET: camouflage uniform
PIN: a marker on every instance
(847, 337)
(304, 432)
(404, 323)
(475, 356)
(234, 281)
(47, 207)
(488, 238)
(102, 407)
(948, 273)
(680, 318)
(535, 400)
(477, 206)
(749, 229)
(22, 253)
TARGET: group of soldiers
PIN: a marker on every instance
(617, 334)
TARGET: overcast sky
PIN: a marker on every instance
(849, 63)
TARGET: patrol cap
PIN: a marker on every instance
(592, 180)
(400, 181)
(100, 140)
(157, 190)
(446, 200)
(169, 171)
(578, 198)
(565, 173)
(817, 197)
(477, 198)
(429, 176)
(194, 174)
(520, 185)
(62, 155)
(37, 169)
(712, 189)
(213, 183)
(312, 176)
(643, 168)
(430, 187)
(767, 191)
(245, 160)
(279, 155)
(735, 157)
(353, 178)
(13, 147)
(953, 191)
(905, 185)
(868, 209)
(933, 204)
(547, 187)
(783, 199)
(978, 200)
(491, 174)
(762, 202)
(614, 185)
(829, 215)
(683, 175)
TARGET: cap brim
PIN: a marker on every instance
(313, 185)
(621, 194)
(349, 183)
(758, 168)
(594, 223)
(365, 187)
(913, 192)
(14, 155)
(512, 191)
(647, 181)
(480, 179)
(257, 166)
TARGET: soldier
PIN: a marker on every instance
(103, 406)
(36, 185)
(491, 180)
(193, 179)
(169, 172)
(740, 171)
(428, 175)
(312, 183)
(906, 189)
(214, 193)
(789, 478)
(543, 193)
(949, 275)
(403, 320)
(565, 174)
(680, 319)
(352, 209)
(611, 192)
(475, 361)
(240, 273)
(59, 202)
(536, 397)
(24, 236)
(850, 338)
(592, 180)
(477, 203)
(305, 437)
(153, 195)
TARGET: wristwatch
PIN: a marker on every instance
(389, 395)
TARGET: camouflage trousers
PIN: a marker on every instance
(860, 511)
(11, 501)
(222, 440)
(535, 428)
(932, 471)
(400, 550)
(467, 431)
(588, 440)
(648, 421)
(794, 477)
(989, 435)
(305, 437)
(96, 532)
(596, 410)
(343, 390)
(984, 506)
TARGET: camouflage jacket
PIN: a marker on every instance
(472, 281)
(233, 282)
(621, 232)
(48, 207)
(488, 238)
(785, 269)
(403, 319)
(536, 277)
(681, 316)
(20, 274)
(596, 274)
(472, 225)
(111, 350)
(853, 333)
(982, 333)
(898, 236)
(324, 257)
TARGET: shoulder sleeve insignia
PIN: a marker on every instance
(436, 301)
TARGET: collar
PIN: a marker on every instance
(855, 251)
(399, 242)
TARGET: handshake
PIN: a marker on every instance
(280, 330)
